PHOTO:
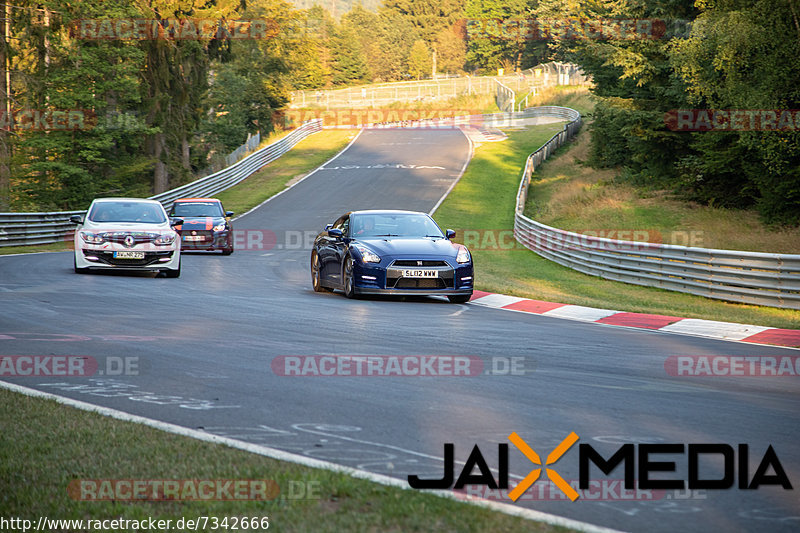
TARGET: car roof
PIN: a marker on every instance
(385, 212)
(141, 200)
(197, 200)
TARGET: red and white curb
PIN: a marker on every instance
(673, 324)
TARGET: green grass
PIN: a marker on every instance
(44, 446)
(306, 155)
(577, 98)
(570, 195)
(484, 200)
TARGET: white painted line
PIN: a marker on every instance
(460, 174)
(496, 300)
(272, 453)
(579, 312)
(711, 328)
(304, 177)
(34, 253)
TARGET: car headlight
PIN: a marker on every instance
(367, 255)
(220, 227)
(165, 239)
(463, 255)
(92, 238)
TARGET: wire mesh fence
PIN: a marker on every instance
(438, 90)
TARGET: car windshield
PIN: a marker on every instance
(198, 209)
(144, 212)
(394, 225)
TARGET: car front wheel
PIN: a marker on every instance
(315, 274)
(347, 278)
(459, 298)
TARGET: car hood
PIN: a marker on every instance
(204, 223)
(411, 246)
(124, 226)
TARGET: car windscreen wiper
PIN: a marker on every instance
(436, 236)
(388, 235)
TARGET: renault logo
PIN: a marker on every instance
(419, 263)
(129, 241)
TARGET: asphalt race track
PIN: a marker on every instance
(203, 346)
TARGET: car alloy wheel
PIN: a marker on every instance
(347, 278)
(316, 282)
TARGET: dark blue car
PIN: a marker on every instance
(391, 252)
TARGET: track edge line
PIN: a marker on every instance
(273, 453)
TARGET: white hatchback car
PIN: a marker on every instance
(127, 234)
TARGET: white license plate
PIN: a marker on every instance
(193, 238)
(419, 273)
(128, 255)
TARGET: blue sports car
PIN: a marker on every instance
(391, 252)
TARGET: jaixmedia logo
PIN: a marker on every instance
(636, 460)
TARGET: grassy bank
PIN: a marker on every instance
(483, 201)
(44, 446)
(570, 195)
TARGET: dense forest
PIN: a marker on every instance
(733, 55)
(142, 115)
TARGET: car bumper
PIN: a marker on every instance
(378, 279)
(215, 241)
(414, 292)
(102, 259)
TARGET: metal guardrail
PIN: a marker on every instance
(745, 277)
(504, 97)
(18, 229)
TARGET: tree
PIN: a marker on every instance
(419, 60)
(488, 46)
(429, 17)
(451, 49)
(743, 56)
(349, 64)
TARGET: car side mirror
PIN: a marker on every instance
(335, 233)
(229, 214)
(76, 219)
(176, 222)
(450, 234)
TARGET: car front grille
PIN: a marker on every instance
(405, 263)
(444, 280)
(138, 237)
(420, 283)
